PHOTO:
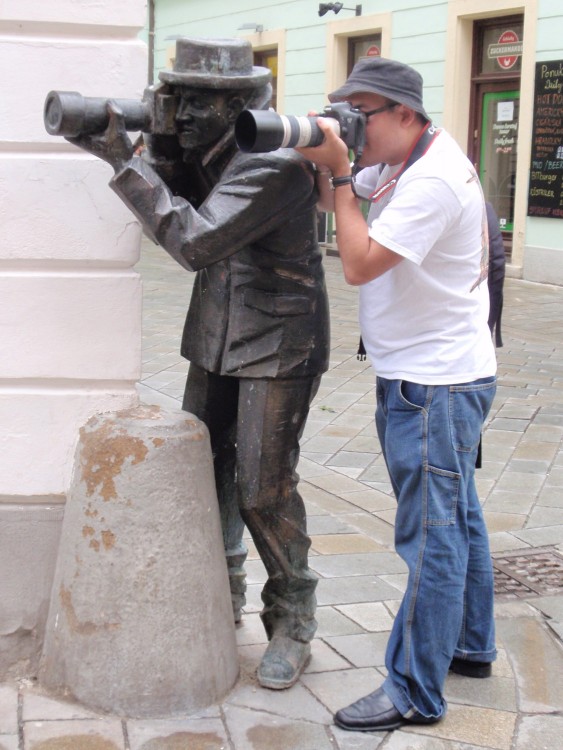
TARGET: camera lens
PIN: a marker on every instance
(70, 114)
(262, 130)
(63, 113)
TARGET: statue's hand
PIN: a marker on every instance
(113, 145)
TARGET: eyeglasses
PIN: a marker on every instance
(380, 109)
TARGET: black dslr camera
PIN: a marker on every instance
(70, 114)
(258, 130)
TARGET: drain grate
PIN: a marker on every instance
(536, 573)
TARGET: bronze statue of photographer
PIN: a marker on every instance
(257, 328)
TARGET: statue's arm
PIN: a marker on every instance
(254, 196)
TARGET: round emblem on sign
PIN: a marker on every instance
(506, 42)
(373, 51)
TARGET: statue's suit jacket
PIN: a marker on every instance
(259, 304)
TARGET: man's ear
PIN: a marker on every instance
(408, 115)
(235, 106)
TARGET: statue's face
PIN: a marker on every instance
(204, 115)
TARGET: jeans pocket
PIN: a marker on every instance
(442, 492)
(413, 394)
(469, 406)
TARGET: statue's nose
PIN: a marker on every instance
(183, 114)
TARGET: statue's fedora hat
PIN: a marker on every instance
(215, 63)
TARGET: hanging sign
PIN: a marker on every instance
(545, 196)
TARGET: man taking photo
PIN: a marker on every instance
(421, 264)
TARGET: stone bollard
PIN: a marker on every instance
(140, 621)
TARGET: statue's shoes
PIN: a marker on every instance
(283, 662)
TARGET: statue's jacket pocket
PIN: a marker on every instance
(274, 303)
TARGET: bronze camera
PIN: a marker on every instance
(70, 114)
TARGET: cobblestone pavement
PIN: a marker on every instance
(351, 515)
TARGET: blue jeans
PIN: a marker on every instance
(430, 437)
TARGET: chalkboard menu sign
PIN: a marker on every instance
(545, 196)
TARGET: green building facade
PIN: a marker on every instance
(493, 77)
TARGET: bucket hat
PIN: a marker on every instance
(388, 78)
(215, 63)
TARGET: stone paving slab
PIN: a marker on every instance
(8, 710)
(504, 542)
(551, 606)
(371, 525)
(539, 733)
(325, 659)
(373, 617)
(361, 650)
(341, 544)
(501, 501)
(541, 537)
(196, 734)
(297, 703)
(401, 740)
(550, 497)
(9, 742)
(333, 621)
(87, 734)
(536, 659)
(495, 692)
(340, 688)
(357, 740)
(483, 727)
(335, 566)
(348, 590)
(260, 730)
(39, 707)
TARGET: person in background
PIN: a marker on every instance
(420, 262)
(497, 264)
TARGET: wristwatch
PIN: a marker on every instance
(338, 181)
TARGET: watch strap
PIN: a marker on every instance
(338, 181)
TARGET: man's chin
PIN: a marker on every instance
(367, 160)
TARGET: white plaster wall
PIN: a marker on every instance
(102, 230)
(29, 538)
(70, 299)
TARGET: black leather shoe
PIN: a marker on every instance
(374, 713)
(471, 668)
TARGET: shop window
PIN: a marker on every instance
(363, 46)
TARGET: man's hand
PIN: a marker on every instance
(113, 145)
(331, 154)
